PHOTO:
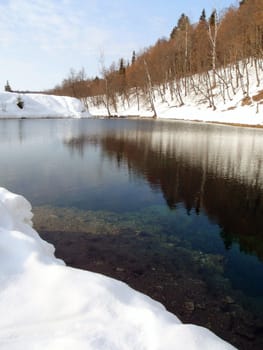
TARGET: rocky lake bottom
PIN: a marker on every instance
(139, 251)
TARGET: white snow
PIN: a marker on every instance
(196, 107)
(40, 106)
(229, 109)
(46, 305)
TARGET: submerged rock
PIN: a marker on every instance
(189, 306)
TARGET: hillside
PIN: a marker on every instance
(234, 98)
(210, 70)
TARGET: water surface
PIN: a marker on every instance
(189, 193)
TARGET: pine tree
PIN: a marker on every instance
(203, 16)
(122, 68)
(8, 87)
(133, 57)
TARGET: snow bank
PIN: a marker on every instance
(40, 106)
(46, 305)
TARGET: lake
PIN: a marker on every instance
(173, 208)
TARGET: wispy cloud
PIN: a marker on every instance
(48, 24)
(71, 32)
(50, 36)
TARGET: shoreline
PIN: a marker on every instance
(142, 267)
(137, 117)
(131, 117)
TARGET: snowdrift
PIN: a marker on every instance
(40, 106)
(46, 305)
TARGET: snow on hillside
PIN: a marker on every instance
(232, 105)
(40, 106)
(46, 305)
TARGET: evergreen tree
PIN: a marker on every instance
(133, 57)
(203, 16)
(122, 68)
(8, 87)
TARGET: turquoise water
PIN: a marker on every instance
(198, 185)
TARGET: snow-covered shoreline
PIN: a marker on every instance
(47, 305)
(239, 110)
(40, 106)
(239, 105)
(240, 116)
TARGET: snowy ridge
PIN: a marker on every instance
(46, 305)
(40, 106)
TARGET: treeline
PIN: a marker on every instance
(215, 52)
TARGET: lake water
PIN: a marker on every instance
(190, 195)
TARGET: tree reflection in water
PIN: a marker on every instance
(211, 169)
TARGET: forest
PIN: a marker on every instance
(216, 52)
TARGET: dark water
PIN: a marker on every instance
(197, 187)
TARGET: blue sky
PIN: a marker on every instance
(41, 40)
